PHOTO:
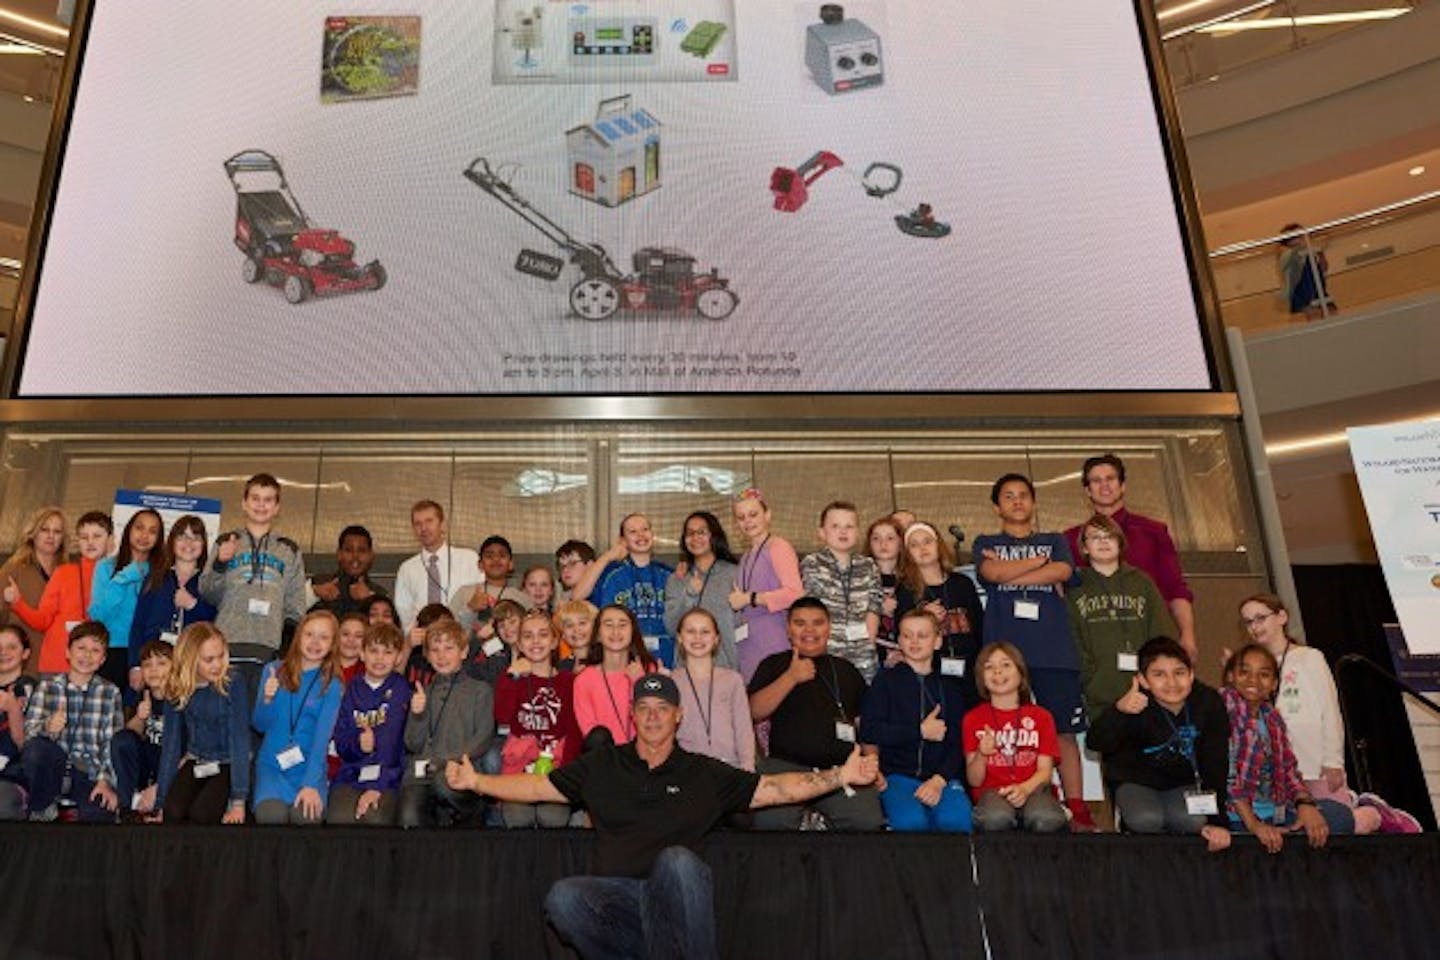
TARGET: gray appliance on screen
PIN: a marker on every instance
(843, 55)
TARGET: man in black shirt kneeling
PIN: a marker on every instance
(651, 803)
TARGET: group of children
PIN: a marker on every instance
(972, 708)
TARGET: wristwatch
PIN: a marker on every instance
(1304, 801)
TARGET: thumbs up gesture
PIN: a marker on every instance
(56, 723)
(12, 592)
(417, 700)
(987, 745)
(801, 669)
(860, 770)
(272, 684)
(932, 728)
(225, 551)
(367, 737)
(460, 774)
(1134, 700)
(143, 710)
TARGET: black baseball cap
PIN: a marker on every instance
(658, 685)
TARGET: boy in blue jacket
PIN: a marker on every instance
(913, 713)
(370, 735)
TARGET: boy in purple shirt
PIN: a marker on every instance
(370, 735)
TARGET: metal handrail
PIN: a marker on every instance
(1356, 748)
(1347, 220)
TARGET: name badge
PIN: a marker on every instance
(422, 769)
(4, 761)
(258, 607)
(742, 633)
(1129, 662)
(291, 756)
(844, 731)
(492, 646)
(170, 638)
(330, 750)
(503, 730)
(369, 773)
(952, 667)
(652, 644)
(206, 770)
(1201, 803)
(856, 631)
(1027, 610)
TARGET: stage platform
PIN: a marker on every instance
(71, 891)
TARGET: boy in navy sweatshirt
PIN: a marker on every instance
(370, 735)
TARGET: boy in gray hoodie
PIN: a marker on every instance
(256, 581)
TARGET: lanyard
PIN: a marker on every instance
(833, 685)
(615, 704)
(849, 576)
(178, 620)
(1187, 744)
(705, 582)
(297, 708)
(44, 574)
(748, 574)
(257, 551)
(439, 717)
(925, 701)
(708, 711)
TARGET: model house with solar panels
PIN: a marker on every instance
(617, 157)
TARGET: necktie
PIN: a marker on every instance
(436, 591)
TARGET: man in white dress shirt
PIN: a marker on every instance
(438, 570)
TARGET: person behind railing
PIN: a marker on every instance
(1304, 273)
(1307, 699)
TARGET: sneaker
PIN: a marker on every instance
(48, 815)
(1392, 820)
(1080, 819)
(813, 820)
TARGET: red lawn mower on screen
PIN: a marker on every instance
(281, 245)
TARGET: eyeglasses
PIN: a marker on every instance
(1257, 619)
(1100, 537)
(192, 537)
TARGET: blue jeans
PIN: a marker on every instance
(136, 762)
(46, 765)
(670, 913)
(905, 813)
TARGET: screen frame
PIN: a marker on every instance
(1218, 400)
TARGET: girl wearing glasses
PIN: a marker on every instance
(170, 600)
(1114, 609)
(1307, 699)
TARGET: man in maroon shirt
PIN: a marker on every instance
(1148, 544)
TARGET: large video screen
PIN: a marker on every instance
(613, 197)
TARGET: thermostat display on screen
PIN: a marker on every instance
(614, 41)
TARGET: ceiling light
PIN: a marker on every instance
(1223, 18)
(30, 23)
(1180, 9)
(10, 39)
(1416, 171)
(18, 48)
(1306, 20)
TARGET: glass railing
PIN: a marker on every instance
(1388, 253)
(1206, 39)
